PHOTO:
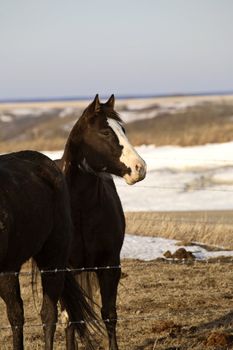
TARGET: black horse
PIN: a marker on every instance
(97, 147)
(35, 222)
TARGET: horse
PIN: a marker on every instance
(35, 221)
(96, 148)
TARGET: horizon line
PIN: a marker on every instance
(121, 97)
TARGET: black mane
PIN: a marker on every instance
(109, 113)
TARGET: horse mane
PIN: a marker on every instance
(110, 113)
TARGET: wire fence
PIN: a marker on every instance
(57, 270)
(134, 265)
(199, 188)
(120, 319)
(135, 318)
(64, 324)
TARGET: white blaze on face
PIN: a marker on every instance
(129, 156)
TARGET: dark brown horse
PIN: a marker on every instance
(35, 222)
(97, 147)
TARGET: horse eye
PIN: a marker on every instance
(105, 132)
(123, 130)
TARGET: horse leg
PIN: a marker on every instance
(108, 281)
(52, 284)
(69, 329)
(70, 338)
(10, 293)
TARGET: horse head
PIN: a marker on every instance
(98, 139)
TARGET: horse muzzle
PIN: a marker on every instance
(138, 173)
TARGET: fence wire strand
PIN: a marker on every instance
(64, 324)
(126, 265)
(179, 188)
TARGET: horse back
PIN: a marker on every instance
(34, 199)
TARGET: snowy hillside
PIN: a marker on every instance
(180, 178)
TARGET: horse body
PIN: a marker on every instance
(97, 147)
(21, 185)
(35, 222)
(99, 226)
(98, 220)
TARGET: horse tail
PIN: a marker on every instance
(34, 279)
(80, 313)
(89, 283)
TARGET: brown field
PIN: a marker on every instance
(162, 305)
(208, 121)
(197, 125)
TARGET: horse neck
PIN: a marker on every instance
(72, 165)
(72, 155)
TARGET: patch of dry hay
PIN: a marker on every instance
(212, 228)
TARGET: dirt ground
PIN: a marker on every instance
(162, 305)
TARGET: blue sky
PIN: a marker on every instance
(78, 48)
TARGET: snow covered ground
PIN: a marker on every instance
(180, 178)
(150, 248)
(190, 178)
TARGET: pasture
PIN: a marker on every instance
(162, 304)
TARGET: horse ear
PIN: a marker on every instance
(111, 101)
(95, 104)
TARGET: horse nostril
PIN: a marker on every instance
(138, 167)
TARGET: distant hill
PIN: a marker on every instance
(177, 120)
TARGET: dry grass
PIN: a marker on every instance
(213, 228)
(208, 123)
(39, 144)
(188, 303)
(161, 305)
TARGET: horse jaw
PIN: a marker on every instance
(132, 180)
(129, 157)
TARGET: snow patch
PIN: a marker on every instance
(6, 118)
(180, 178)
(150, 248)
